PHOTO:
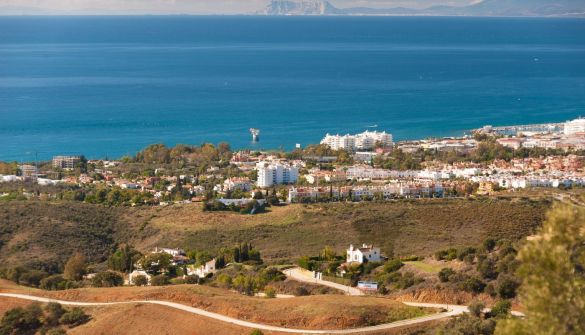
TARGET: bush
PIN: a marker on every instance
(56, 282)
(107, 279)
(300, 291)
(75, 317)
(489, 244)
(270, 292)
(160, 280)
(507, 288)
(53, 312)
(21, 320)
(449, 254)
(501, 309)
(192, 279)
(256, 332)
(224, 280)
(461, 254)
(445, 273)
(140, 280)
(473, 285)
(476, 308)
(393, 265)
(487, 269)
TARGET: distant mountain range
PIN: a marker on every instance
(484, 8)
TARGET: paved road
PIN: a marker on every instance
(307, 277)
(451, 311)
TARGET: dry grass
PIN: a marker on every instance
(47, 234)
(311, 312)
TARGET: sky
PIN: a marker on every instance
(188, 6)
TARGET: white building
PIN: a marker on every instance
(367, 253)
(172, 252)
(364, 141)
(240, 202)
(203, 270)
(236, 183)
(66, 162)
(575, 126)
(276, 173)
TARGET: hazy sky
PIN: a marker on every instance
(197, 6)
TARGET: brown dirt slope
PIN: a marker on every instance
(311, 312)
(45, 234)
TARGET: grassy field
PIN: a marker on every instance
(425, 266)
(44, 233)
(400, 228)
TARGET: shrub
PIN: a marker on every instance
(300, 291)
(490, 289)
(75, 317)
(56, 282)
(140, 280)
(53, 312)
(476, 308)
(393, 265)
(192, 279)
(489, 244)
(473, 285)
(270, 292)
(449, 254)
(507, 288)
(160, 280)
(224, 280)
(256, 332)
(107, 279)
(21, 320)
(445, 273)
(501, 308)
(487, 269)
(461, 254)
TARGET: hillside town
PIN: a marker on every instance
(358, 167)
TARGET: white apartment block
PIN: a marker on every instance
(364, 141)
(65, 162)
(276, 173)
(575, 126)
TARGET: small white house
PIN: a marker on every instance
(172, 252)
(202, 270)
(367, 253)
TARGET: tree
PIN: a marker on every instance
(328, 253)
(21, 320)
(75, 267)
(553, 274)
(155, 263)
(107, 279)
(123, 259)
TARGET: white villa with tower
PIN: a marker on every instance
(365, 253)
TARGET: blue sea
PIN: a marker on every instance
(108, 86)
